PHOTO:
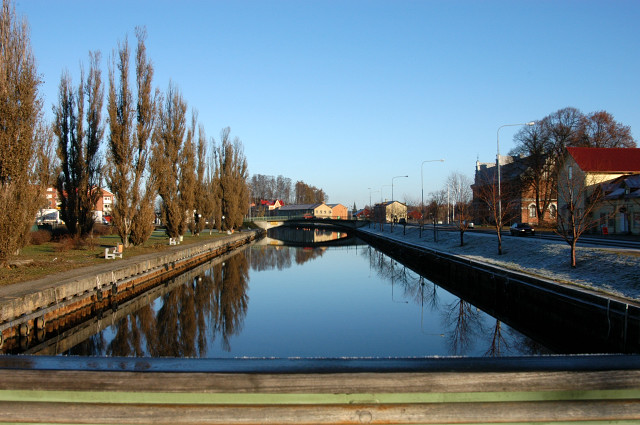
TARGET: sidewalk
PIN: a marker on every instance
(608, 270)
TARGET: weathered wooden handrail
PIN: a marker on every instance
(585, 389)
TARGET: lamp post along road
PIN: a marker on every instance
(392, 200)
(422, 192)
(499, 217)
(396, 177)
(370, 206)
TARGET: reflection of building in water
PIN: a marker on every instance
(305, 235)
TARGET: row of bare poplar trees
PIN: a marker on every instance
(153, 149)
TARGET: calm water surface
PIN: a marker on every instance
(274, 300)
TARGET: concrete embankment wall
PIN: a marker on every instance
(34, 305)
(565, 318)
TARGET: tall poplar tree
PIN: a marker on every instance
(131, 123)
(78, 147)
(22, 135)
(187, 176)
(232, 176)
(168, 140)
(201, 201)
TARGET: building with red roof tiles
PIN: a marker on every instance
(617, 161)
(610, 175)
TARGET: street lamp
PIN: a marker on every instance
(530, 123)
(370, 206)
(396, 177)
(393, 206)
(422, 188)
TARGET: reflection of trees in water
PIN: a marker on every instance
(211, 304)
(463, 321)
(525, 344)
(308, 254)
(281, 257)
(130, 332)
(499, 343)
(504, 342)
(270, 257)
(176, 324)
(93, 346)
(465, 324)
(412, 285)
(230, 297)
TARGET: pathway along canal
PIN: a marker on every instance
(279, 299)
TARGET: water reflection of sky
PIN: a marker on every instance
(326, 302)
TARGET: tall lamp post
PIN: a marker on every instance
(392, 208)
(530, 123)
(392, 179)
(370, 206)
(422, 188)
(381, 210)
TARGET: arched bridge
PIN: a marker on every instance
(275, 221)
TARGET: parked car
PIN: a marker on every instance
(521, 229)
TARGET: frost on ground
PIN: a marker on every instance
(613, 271)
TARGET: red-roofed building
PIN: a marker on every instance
(266, 207)
(616, 161)
(607, 171)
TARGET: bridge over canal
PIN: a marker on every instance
(267, 223)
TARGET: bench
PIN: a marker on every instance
(112, 253)
(174, 241)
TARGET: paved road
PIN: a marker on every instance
(615, 241)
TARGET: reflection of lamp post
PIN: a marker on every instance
(422, 309)
(422, 191)
(392, 279)
(498, 165)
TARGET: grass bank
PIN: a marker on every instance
(38, 260)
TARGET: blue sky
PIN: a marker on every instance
(345, 95)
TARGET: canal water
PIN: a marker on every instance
(307, 293)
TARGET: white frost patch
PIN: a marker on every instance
(614, 271)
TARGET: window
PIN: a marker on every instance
(553, 211)
(532, 211)
(107, 199)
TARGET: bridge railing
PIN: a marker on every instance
(275, 218)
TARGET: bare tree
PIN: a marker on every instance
(306, 194)
(187, 175)
(129, 146)
(168, 141)
(23, 137)
(210, 204)
(487, 192)
(563, 129)
(435, 209)
(535, 145)
(232, 175)
(579, 194)
(200, 188)
(78, 147)
(461, 195)
(600, 130)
